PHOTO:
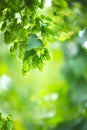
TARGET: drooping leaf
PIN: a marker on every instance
(42, 4)
(34, 42)
(7, 37)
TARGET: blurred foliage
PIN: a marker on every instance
(56, 98)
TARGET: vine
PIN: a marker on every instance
(24, 31)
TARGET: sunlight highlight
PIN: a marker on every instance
(85, 44)
(48, 3)
(5, 82)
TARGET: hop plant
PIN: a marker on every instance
(5, 122)
(21, 25)
(35, 55)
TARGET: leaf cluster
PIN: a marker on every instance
(19, 23)
(5, 122)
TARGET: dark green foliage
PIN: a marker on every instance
(32, 4)
(41, 5)
(77, 124)
(7, 37)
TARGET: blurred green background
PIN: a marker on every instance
(55, 98)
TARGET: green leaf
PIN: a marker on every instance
(7, 37)
(42, 4)
(34, 42)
